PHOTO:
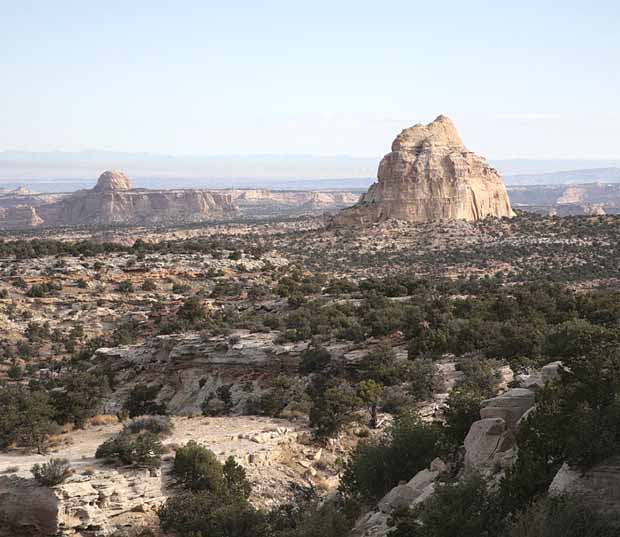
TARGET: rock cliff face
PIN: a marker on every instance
(189, 367)
(19, 217)
(86, 505)
(309, 199)
(114, 201)
(430, 175)
(567, 200)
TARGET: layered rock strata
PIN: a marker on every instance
(430, 175)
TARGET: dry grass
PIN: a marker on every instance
(102, 419)
(67, 428)
(57, 440)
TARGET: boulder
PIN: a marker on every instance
(487, 445)
(100, 503)
(599, 486)
(400, 496)
(509, 406)
(551, 371)
(406, 495)
(27, 508)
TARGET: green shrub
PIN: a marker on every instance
(159, 425)
(142, 401)
(26, 417)
(285, 392)
(377, 465)
(464, 508)
(235, 479)
(126, 286)
(314, 358)
(148, 285)
(219, 403)
(576, 420)
(461, 411)
(80, 397)
(203, 513)
(563, 517)
(139, 450)
(426, 379)
(192, 310)
(196, 468)
(333, 407)
(51, 473)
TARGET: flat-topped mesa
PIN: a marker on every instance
(114, 200)
(430, 175)
(113, 180)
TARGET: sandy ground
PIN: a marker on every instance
(224, 436)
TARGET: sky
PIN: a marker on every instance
(196, 77)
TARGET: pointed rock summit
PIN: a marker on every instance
(430, 175)
(113, 180)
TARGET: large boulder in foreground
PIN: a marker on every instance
(430, 175)
(489, 446)
(599, 486)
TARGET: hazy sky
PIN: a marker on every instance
(520, 79)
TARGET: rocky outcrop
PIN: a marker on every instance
(551, 371)
(300, 199)
(113, 181)
(114, 201)
(97, 499)
(509, 406)
(430, 175)
(27, 509)
(190, 367)
(567, 200)
(417, 490)
(489, 446)
(98, 503)
(598, 487)
(20, 217)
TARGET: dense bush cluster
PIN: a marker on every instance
(34, 248)
(213, 502)
(378, 465)
(142, 449)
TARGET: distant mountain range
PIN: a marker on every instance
(593, 175)
(67, 171)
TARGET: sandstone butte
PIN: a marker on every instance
(429, 176)
(114, 200)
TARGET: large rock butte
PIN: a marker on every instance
(115, 200)
(430, 175)
(113, 180)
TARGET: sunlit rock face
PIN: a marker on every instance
(113, 180)
(114, 200)
(430, 175)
